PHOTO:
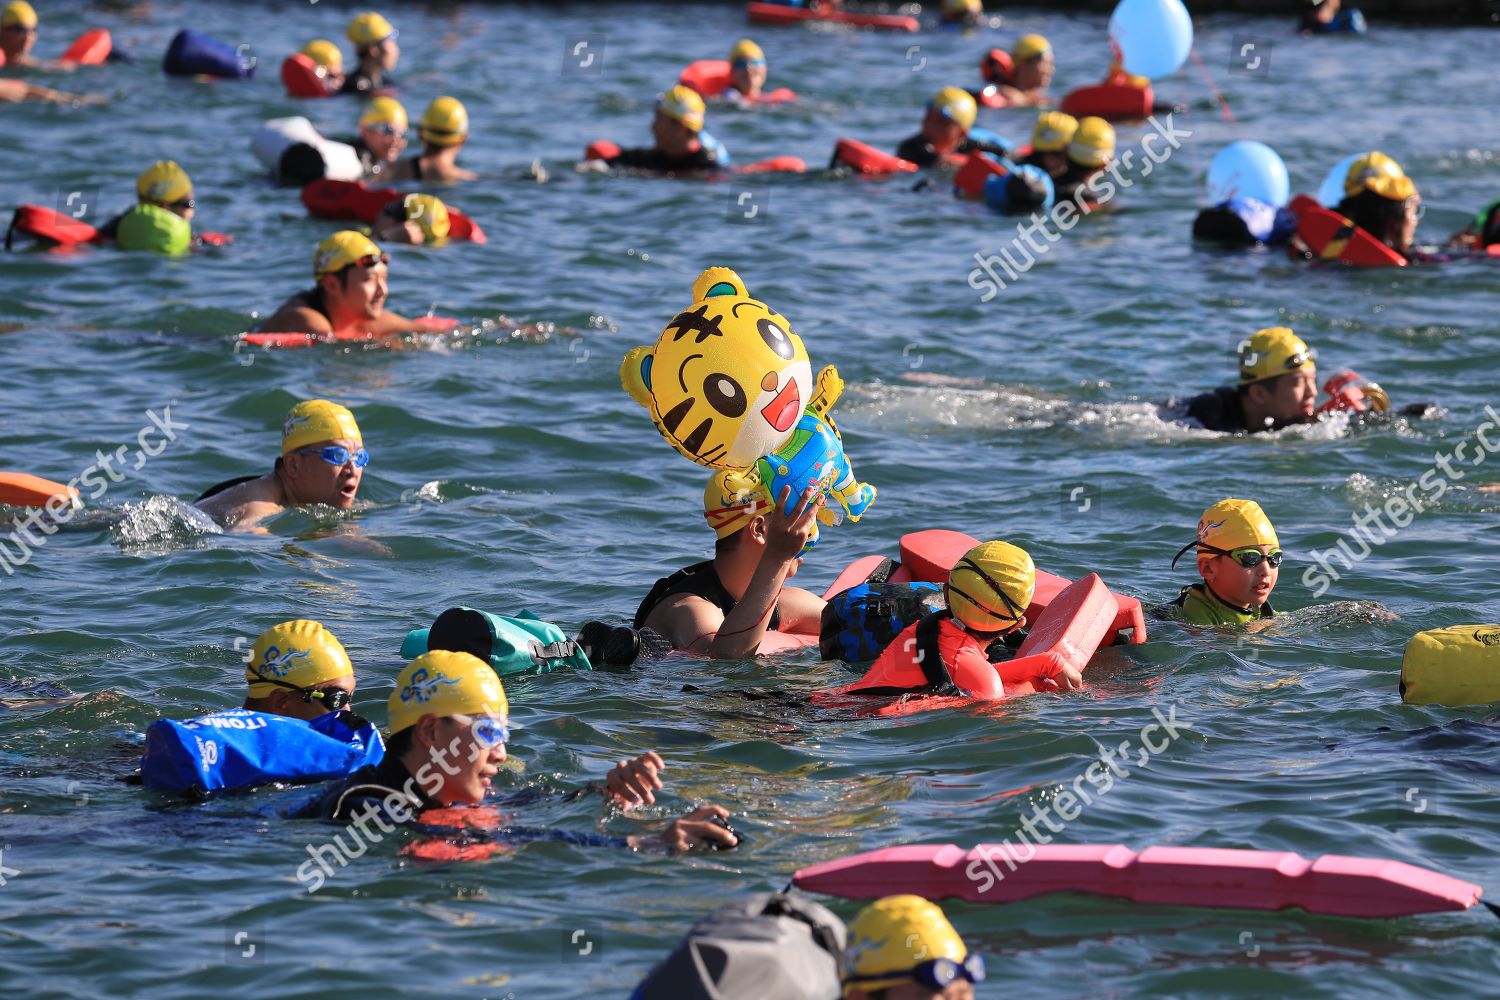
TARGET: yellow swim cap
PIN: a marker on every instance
(429, 213)
(1271, 352)
(162, 183)
(746, 51)
(384, 111)
(344, 248)
(1030, 47)
(1235, 524)
(301, 652)
(18, 14)
(444, 682)
(444, 123)
(956, 104)
(683, 105)
(315, 420)
(1053, 131)
(369, 28)
(732, 500)
(951, 7)
(1378, 173)
(892, 936)
(1093, 144)
(990, 588)
(325, 54)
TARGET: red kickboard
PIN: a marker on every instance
(299, 74)
(771, 13)
(90, 48)
(1333, 237)
(1110, 101)
(709, 77)
(21, 489)
(1219, 878)
(978, 168)
(863, 158)
(929, 555)
(48, 224)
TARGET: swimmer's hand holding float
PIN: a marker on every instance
(730, 386)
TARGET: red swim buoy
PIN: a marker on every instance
(863, 158)
(302, 78)
(90, 48)
(1111, 101)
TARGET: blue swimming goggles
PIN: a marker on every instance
(489, 732)
(935, 974)
(338, 455)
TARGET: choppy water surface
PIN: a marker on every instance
(513, 474)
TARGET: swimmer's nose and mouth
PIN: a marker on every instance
(782, 411)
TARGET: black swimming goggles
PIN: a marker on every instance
(1246, 557)
(334, 699)
(1016, 613)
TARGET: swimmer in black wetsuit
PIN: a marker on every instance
(448, 727)
(376, 54)
(948, 135)
(443, 128)
(1049, 143)
(682, 146)
(723, 607)
(1278, 387)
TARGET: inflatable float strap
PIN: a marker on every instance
(968, 182)
(1458, 665)
(47, 224)
(338, 200)
(302, 77)
(929, 555)
(90, 48)
(1216, 878)
(193, 54)
(866, 159)
(21, 489)
(1331, 236)
(772, 13)
(773, 165)
(709, 77)
(1111, 101)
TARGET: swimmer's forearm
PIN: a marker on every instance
(745, 626)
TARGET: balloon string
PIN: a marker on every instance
(1223, 104)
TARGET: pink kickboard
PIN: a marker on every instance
(1216, 878)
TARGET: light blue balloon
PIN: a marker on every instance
(1332, 190)
(1153, 36)
(1248, 169)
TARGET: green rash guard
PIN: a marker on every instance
(1200, 606)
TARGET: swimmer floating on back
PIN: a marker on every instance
(322, 460)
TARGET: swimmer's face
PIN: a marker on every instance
(748, 77)
(1248, 588)
(17, 41)
(360, 290)
(943, 133)
(291, 703)
(320, 481)
(1290, 399)
(672, 137)
(476, 763)
(1035, 74)
(1409, 222)
(385, 145)
(386, 54)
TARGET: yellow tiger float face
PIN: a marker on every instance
(727, 379)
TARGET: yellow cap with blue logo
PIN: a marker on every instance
(299, 653)
(1030, 47)
(369, 28)
(325, 54)
(683, 105)
(344, 248)
(430, 214)
(314, 420)
(894, 936)
(991, 587)
(442, 683)
(163, 183)
(1377, 172)
(957, 105)
(444, 123)
(1272, 352)
(18, 14)
(1093, 144)
(1053, 131)
(745, 52)
(384, 111)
